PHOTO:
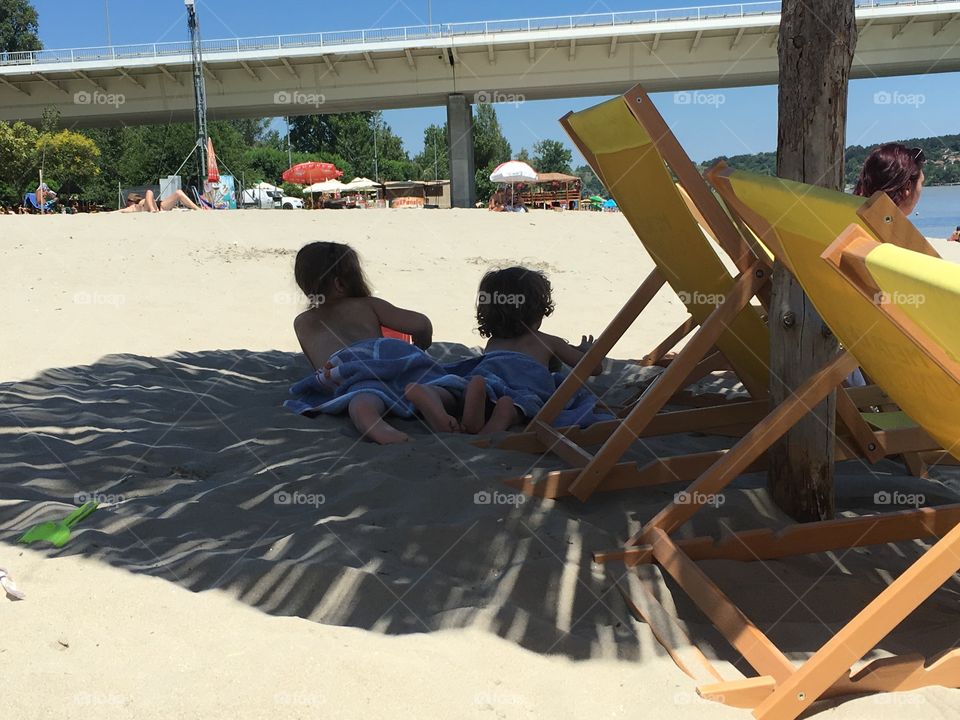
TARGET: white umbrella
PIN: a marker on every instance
(513, 171)
(328, 186)
(361, 183)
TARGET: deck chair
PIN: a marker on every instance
(632, 150)
(914, 357)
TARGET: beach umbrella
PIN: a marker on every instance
(308, 173)
(513, 171)
(327, 186)
(361, 183)
(213, 172)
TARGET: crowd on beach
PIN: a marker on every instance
(362, 369)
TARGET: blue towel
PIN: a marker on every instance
(529, 384)
(381, 366)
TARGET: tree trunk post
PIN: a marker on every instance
(816, 46)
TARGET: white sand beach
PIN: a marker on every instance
(145, 359)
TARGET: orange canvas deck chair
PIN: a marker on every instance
(914, 354)
(632, 150)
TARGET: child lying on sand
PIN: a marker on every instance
(514, 373)
(359, 370)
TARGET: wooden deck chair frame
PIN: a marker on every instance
(604, 469)
(782, 691)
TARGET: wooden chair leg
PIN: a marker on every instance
(861, 634)
(667, 383)
(670, 342)
(751, 446)
(608, 338)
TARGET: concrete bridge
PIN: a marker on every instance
(457, 64)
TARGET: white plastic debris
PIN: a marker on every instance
(6, 582)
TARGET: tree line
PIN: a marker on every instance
(92, 163)
(942, 166)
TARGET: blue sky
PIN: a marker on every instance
(745, 122)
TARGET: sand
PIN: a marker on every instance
(251, 563)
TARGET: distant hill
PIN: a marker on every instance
(942, 166)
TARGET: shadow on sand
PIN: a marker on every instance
(209, 483)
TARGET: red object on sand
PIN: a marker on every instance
(308, 173)
(213, 172)
(388, 333)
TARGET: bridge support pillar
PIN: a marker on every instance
(463, 191)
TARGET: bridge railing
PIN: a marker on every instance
(374, 36)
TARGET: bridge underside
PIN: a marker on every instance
(507, 67)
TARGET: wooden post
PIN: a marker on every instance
(816, 45)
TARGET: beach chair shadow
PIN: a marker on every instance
(913, 356)
(207, 482)
(633, 152)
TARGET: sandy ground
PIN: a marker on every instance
(247, 562)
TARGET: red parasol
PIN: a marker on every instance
(308, 173)
(213, 172)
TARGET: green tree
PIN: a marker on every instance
(18, 160)
(434, 162)
(590, 183)
(552, 156)
(18, 26)
(490, 148)
(363, 140)
(68, 157)
(524, 156)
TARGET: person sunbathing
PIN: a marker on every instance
(519, 357)
(341, 335)
(147, 202)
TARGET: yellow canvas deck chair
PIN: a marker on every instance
(632, 150)
(626, 159)
(913, 355)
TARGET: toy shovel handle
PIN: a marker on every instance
(80, 513)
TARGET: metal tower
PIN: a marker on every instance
(199, 92)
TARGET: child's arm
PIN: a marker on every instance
(417, 325)
(570, 355)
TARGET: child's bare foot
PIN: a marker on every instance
(428, 403)
(366, 411)
(474, 405)
(504, 416)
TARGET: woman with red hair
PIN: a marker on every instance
(898, 171)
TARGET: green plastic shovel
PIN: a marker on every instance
(58, 533)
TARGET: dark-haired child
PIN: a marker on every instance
(515, 371)
(358, 370)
